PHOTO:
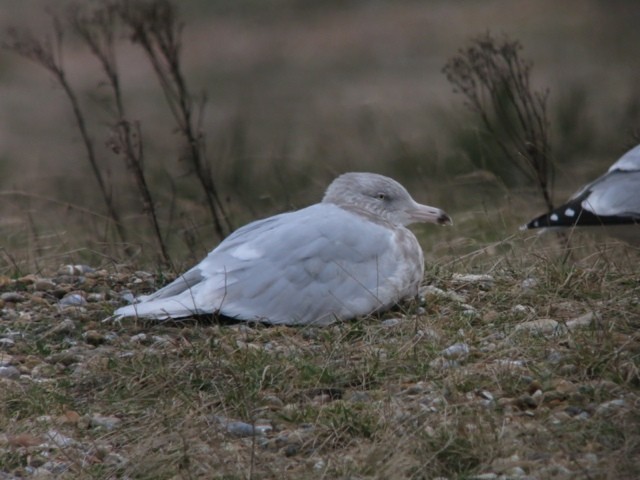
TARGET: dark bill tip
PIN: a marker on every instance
(444, 219)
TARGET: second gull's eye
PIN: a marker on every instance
(381, 196)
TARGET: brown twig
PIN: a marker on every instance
(47, 54)
(494, 80)
(97, 30)
(155, 27)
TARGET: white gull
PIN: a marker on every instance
(347, 256)
(612, 200)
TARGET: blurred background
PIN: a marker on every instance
(298, 91)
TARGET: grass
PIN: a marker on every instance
(360, 399)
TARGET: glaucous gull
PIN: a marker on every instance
(347, 256)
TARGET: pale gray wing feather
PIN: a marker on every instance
(629, 161)
(317, 267)
(195, 275)
(184, 282)
(614, 194)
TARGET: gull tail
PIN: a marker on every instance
(160, 309)
(179, 299)
(573, 214)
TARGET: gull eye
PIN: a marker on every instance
(381, 196)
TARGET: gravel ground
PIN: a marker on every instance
(487, 376)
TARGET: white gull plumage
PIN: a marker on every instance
(347, 256)
(611, 200)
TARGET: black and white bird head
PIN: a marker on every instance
(610, 200)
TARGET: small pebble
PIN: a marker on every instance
(96, 297)
(510, 363)
(526, 402)
(65, 326)
(48, 471)
(573, 410)
(582, 321)
(319, 465)
(73, 300)
(541, 325)
(291, 449)
(110, 336)
(93, 337)
(438, 292)
(12, 297)
(390, 322)
(6, 343)
(139, 338)
(43, 285)
(522, 309)
(610, 406)
(456, 351)
(414, 389)
(243, 429)
(516, 472)
(273, 401)
(533, 386)
(6, 360)
(103, 421)
(429, 334)
(563, 386)
(443, 363)
(115, 460)
(65, 358)
(468, 310)
(55, 439)
(75, 270)
(486, 394)
(583, 416)
(555, 357)
(473, 278)
(160, 340)
(9, 372)
(590, 458)
(359, 397)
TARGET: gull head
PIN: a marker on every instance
(381, 197)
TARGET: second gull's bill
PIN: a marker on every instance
(612, 200)
(347, 256)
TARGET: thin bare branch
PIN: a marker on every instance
(97, 29)
(154, 25)
(495, 82)
(48, 54)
